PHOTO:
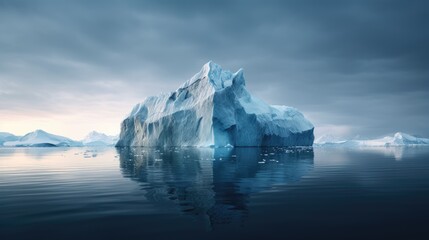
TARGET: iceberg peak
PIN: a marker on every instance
(401, 135)
(39, 131)
(217, 77)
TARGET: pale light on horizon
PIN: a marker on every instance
(74, 126)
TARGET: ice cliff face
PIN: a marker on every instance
(214, 108)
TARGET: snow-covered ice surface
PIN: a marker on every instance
(398, 139)
(99, 139)
(40, 138)
(214, 108)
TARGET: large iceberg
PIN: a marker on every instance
(214, 108)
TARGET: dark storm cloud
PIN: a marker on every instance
(360, 64)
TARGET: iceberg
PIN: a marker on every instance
(5, 137)
(40, 138)
(328, 139)
(397, 139)
(99, 139)
(214, 108)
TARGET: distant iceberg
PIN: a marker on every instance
(214, 108)
(6, 137)
(327, 139)
(99, 139)
(40, 138)
(398, 139)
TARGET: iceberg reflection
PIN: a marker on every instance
(214, 184)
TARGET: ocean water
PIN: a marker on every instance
(205, 193)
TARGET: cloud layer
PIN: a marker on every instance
(353, 67)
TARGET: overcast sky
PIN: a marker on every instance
(352, 67)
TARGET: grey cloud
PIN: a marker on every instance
(358, 63)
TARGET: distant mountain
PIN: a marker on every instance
(5, 137)
(398, 139)
(99, 139)
(40, 138)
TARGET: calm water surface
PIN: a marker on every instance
(203, 193)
